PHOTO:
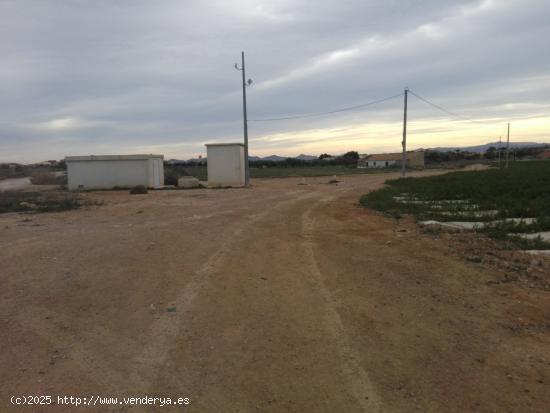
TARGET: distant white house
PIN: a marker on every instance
(386, 160)
(46, 163)
(109, 171)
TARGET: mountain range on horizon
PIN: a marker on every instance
(273, 158)
(485, 147)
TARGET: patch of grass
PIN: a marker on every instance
(173, 172)
(20, 201)
(64, 204)
(516, 242)
(432, 230)
(46, 177)
(500, 230)
(310, 171)
(200, 172)
(179, 188)
(522, 191)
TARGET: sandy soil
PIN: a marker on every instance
(283, 297)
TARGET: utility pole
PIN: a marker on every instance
(404, 143)
(245, 120)
(499, 146)
(508, 147)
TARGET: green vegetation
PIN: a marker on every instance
(325, 165)
(42, 176)
(173, 172)
(200, 173)
(13, 171)
(437, 157)
(305, 171)
(20, 201)
(522, 191)
(177, 171)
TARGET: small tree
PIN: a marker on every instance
(350, 158)
(490, 153)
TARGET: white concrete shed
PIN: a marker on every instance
(226, 165)
(109, 171)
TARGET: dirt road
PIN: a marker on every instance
(285, 297)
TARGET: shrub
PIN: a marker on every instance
(171, 176)
(138, 189)
(20, 201)
(44, 177)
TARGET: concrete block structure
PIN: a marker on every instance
(386, 160)
(109, 171)
(226, 164)
(188, 182)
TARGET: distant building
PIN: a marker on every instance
(544, 155)
(175, 162)
(386, 160)
(46, 163)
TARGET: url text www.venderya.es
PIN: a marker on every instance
(96, 400)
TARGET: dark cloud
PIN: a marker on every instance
(80, 77)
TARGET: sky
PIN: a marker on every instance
(81, 77)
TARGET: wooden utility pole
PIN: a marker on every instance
(508, 147)
(404, 143)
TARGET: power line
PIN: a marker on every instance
(441, 108)
(310, 115)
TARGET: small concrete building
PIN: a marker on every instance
(226, 166)
(386, 160)
(109, 171)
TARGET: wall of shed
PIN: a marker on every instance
(106, 174)
(226, 165)
(156, 172)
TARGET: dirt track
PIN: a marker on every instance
(282, 297)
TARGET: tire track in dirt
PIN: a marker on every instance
(149, 362)
(92, 364)
(145, 367)
(357, 378)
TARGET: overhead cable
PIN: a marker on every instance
(441, 108)
(310, 115)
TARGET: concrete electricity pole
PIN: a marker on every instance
(245, 120)
(404, 143)
(508, 147)
(499, 146)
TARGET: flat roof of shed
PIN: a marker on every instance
(112, 157)
(225, 144)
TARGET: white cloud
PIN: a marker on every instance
(121, 76)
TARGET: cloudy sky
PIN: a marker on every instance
(143, 76)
